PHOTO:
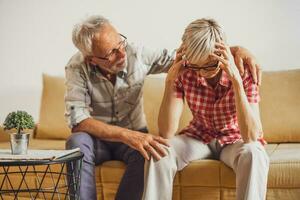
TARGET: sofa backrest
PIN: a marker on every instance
(52, 124)
(153, 93)
(280, 106)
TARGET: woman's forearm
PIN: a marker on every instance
(170, 112)
(248, 123)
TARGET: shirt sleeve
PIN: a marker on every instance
(178, 88)
(157, 61)
(251, 88)
(77, 99)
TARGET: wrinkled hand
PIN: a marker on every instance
(223, 54)
(147, 144)
(243, 56)
(177, 66)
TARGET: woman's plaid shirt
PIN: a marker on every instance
(213, 109)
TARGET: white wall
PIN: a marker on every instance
(35, 35)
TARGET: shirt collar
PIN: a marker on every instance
(224, 80)
(201, 80)
(121, 74)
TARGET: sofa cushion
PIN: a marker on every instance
(280, 107)
(285, 166)
(4, 137)
(210, 179)
(201, 173)
(52, 124)
(153, 93)
(284, 169)
(111, 173)
(202, 179)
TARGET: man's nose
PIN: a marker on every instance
(121, 53)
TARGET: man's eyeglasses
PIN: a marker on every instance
(195, 67)
(115, 51)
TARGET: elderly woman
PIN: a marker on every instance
(226, 123)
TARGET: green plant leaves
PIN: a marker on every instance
(19, 120)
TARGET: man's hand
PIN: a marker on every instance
(243, 56)
(146, 144)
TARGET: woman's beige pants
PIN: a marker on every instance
(249, 161)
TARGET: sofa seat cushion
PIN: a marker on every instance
(284, 169)
(202, 177)
(201, 173)
(285, 166)
(111, 173)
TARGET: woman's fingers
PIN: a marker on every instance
(259, 72)
(220, 52)
(178, 57)
(180, 49)
(220, 45)
(252, 68)
(219, 58)
(179, 53)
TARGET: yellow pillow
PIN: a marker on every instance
(52, 124)
(153, 93)
(280, 106)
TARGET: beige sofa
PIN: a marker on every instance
(203, 179)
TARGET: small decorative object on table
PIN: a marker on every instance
(19, 120)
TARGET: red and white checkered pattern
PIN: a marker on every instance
(213, 109)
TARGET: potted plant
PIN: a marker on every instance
(19, 120)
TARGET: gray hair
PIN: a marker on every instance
(84, 32)
(199, 38)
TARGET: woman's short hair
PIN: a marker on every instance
(199, 39)
(84, 32)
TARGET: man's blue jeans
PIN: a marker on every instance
(96, 152)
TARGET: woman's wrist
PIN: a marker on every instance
(170, 80)
(237, 81)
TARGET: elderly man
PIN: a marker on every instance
(104, 102)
